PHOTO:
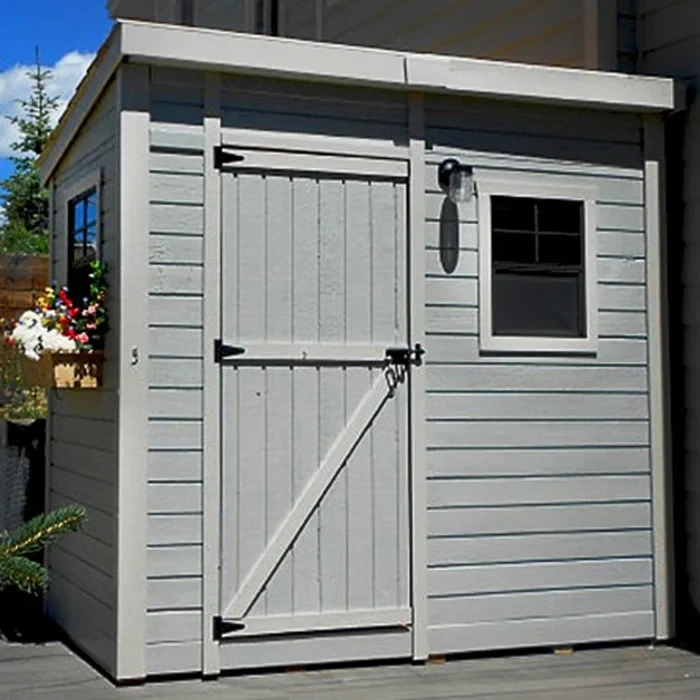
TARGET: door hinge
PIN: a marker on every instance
(406, 356)
(222, 157)
(222, 351)
(222, 627)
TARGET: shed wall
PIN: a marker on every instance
(82, 450)
(670, 46)
(272, 110)
(176, 245)
(539, 513)
(539, 469)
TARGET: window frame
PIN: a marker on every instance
(538, 186)
(78, 190)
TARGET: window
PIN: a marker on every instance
(83, 243)
(537, 267)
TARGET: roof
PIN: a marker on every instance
(209, 49)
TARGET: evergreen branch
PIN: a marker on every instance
(21, 573)
(42, 530)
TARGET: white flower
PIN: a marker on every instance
(34, 339)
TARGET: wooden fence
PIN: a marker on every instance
(21, 277)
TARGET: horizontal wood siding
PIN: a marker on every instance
(312, 113)
(548, 31)
(176, 246)
(83, 427)
(670, 42)
(539, 517)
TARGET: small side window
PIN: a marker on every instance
(538, 282)
(83, 241)
(537, 266)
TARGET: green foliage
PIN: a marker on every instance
(15, 238)
(16, 570)
(25, 200)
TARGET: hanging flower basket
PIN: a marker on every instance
(61, 340)
(79, 370)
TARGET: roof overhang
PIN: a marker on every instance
(228, 52)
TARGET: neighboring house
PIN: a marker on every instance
(669, 44)
(266, 486)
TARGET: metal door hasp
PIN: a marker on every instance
(222, 351)
(224, 157)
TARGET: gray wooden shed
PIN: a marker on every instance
(267, 484)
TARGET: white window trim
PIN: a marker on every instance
(91, 181)
(539, 187)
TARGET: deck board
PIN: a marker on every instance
(631, 673)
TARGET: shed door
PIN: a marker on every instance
(315, 501)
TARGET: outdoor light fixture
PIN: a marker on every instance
(456, 180)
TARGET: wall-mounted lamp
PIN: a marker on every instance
(456, 180)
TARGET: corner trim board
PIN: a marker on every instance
(659, 373)
(417, 384)
(133, 86)
(211, 508)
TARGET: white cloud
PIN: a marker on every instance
(14, 85)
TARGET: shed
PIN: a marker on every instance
(275, 473)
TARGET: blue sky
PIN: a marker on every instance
(67, 32)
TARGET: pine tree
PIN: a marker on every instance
(26, 202)
(19, 571)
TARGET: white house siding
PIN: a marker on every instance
(545, 31)
(539, 514)
(83, 424)
(670, 45)
(175, 301)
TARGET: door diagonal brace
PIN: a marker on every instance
(310, 497)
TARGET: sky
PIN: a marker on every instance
(67, 33)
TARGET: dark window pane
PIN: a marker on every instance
(513, 247)
(533, 305)
(558, 215)
(560, 250)
(513, 213)
(79, 283)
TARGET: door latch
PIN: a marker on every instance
(222, 351)
(406, 356)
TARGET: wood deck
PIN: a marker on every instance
(634, 673)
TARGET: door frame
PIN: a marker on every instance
(408, 163)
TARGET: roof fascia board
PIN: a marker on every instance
(231, 52)
(86, 96)
(228, 52)
(290, 58)
(522, 81)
